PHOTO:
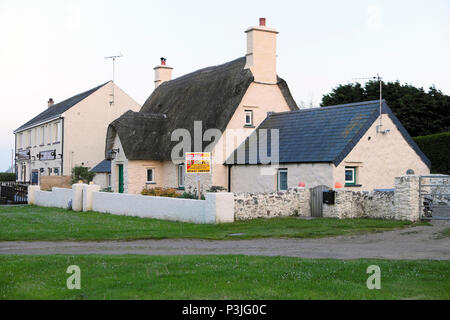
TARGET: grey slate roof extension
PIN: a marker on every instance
(325, 134)
(59, 108)
(210, 95)
(102, 167)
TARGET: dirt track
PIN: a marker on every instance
(421, 242)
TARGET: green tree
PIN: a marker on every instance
(421, 112)
(82, 173)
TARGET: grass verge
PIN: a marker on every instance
(218, 277)
(39, 223)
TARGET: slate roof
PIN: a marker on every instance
(325, 134)
(102, 167)
(59, 108)
(210, 95)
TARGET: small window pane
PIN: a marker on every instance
(350, 175)
(282, 180)
(150, 175)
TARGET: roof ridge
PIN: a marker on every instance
(328, 107)
(84, 92)
(223, 66)
(52, 112)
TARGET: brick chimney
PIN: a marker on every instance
(50, 102)
(262, 52)
(162, 72)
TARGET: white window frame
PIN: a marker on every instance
(278, 179)
(19, 140)
(250, 113)
(42, 135)
(153, 175)
(108, 180)
(29, 138)
(353, 181)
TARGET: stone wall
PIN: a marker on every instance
(293, 202)
(361, 204)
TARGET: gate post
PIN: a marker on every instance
(31, 190)
(406, 198)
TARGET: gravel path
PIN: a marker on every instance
(421, 242)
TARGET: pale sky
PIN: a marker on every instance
(56, 48)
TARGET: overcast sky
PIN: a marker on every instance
(56, 48)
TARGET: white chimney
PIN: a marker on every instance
(162, 73)
(262, 52)
(50, 102)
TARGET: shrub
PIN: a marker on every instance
(437, 148)
(7, 176)
(188, 195)
(160, 192)
(82, 173)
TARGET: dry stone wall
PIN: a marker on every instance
(293, 202)
(361, 204)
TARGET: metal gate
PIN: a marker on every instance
(317, 200)
(13, 193)
(434, 197)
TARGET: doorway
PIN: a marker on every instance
(120, 178)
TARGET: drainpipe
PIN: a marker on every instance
(62, 146)
(229, 178)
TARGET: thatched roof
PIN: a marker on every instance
(210, 95)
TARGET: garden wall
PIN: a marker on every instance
(58, 197)
(293, 202)
(361, 204)
(216, 208)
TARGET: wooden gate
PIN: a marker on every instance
(317, 200)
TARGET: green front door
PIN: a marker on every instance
(120, 178)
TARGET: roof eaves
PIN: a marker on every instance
(37, 124)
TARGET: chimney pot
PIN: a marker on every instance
(262, 22)
(163, 61)
(50, 102)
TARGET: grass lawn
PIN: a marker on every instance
(39, 223)
(218, 277)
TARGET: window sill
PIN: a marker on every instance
(353, 185)
(57, 142)
(180, 188)
(249, 126)
(150, 182)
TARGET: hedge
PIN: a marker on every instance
(6, 176)
(437, 148)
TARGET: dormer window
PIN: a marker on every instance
(248, 118)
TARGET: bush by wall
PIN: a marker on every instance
(160, 192)
(437, 148)
(7, 176)
(82, 173)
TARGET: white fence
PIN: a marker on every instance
(217, 208)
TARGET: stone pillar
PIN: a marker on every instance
(219, 207)
(88, 195)
(406, 198)
(77, 196)
(31, 193)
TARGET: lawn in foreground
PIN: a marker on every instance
(39, 223)
(218, 277)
